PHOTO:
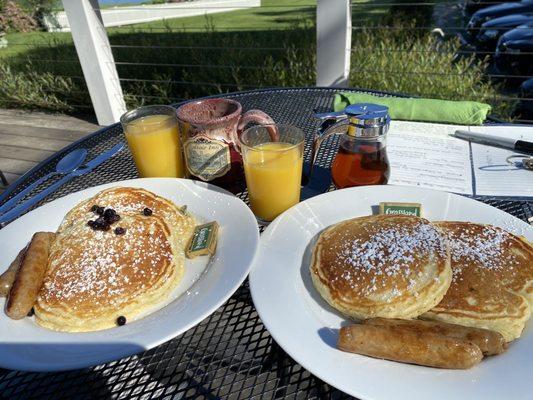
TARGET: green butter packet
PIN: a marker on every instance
(203, 240)
(389, 208)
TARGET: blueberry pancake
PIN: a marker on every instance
(134, 201)
(107, 267)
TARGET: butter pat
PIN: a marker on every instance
(389, 208)
(203, 240)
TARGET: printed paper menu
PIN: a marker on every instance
(425, 155)
(429, 158)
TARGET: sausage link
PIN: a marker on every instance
(8, 277)
(408, 346)
(30, 276)
(489, 342)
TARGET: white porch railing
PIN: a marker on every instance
(96, 59)
(334, 30)
(333, 42)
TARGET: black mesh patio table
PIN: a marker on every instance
(228, 355)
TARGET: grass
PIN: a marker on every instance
(273, 15)
(225, 52)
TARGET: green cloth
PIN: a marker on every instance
(413, 109)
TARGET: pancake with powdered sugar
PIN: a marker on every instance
(387, 266)
(492, 284)
(95, 276)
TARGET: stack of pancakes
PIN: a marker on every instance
(394, 266)
(96, 276)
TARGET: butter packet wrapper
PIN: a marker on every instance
(203, 240)
(391, 208)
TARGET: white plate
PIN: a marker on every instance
(306, 327)
(206, 284)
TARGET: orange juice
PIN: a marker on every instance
(155, 145)
(273, 175)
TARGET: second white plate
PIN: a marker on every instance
(306, 327)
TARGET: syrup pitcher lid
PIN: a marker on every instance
(367, 119)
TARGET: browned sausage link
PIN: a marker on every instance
(405, 345)
(8, 277)
(30, 276)
(489, 342)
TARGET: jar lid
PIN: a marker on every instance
(367, 120)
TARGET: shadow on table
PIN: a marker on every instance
(328, 335)
(499, 167)
(318, 183)
(54, 368)
(229, 354)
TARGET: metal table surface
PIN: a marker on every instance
(230, 354)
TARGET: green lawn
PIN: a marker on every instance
(273, 14)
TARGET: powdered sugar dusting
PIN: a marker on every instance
(99, 266)
(391, 251)
(387, 257)
(485, 247)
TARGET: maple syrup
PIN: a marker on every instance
(362, 157)
(358, 163)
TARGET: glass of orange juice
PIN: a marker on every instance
(273, 169)
(153, 138)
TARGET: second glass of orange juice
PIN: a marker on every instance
(273, 169)
(153, 138)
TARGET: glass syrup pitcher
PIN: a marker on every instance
(362, 156)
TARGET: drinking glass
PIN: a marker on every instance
(153, 138)
(272, 168)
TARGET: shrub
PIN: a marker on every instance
(422, 65)
(196, 68)
(27, 88)
(14, 18)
